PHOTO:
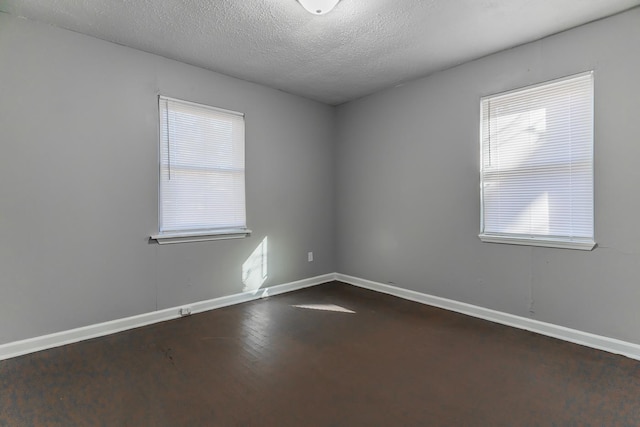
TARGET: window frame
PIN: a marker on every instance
(198, 234)
(562, 242)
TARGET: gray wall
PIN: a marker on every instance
(397, 170)
(78, 200)
(408, 208)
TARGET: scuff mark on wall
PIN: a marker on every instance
(532, 311)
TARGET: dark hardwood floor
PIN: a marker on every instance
(269, 363)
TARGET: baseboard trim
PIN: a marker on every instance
(599, 342)
(32, 345)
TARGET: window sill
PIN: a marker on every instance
(582, 245)
(200, 236)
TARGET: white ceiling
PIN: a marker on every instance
(360, 47)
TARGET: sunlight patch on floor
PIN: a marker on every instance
(325, 307)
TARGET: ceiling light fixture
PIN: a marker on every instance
(319, 7)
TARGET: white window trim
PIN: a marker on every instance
(198, 235)
(562, 243)
(524, 240)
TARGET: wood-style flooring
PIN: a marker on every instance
(331, 355)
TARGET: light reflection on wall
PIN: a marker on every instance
(254, 269)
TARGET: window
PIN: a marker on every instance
(537, 165)
(202, 195)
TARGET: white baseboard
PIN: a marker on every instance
(599, 342)
(31, 345)
(58, 339)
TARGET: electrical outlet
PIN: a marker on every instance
(185, 311)
(310, 256)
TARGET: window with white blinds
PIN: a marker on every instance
(202, 193)
(537, 165)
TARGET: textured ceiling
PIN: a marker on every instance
(360, 47)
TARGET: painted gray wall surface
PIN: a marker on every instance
(78, 200)
(78, 129)
(408, 204)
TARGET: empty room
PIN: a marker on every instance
(320, 213)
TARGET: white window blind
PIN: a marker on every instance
(537, 165)
(202, 186)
